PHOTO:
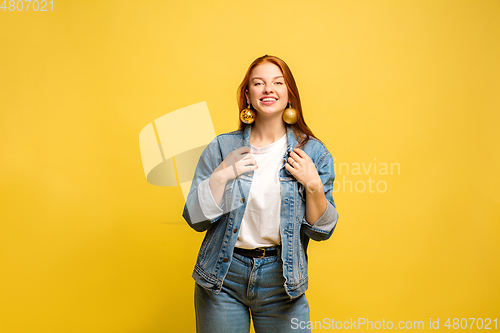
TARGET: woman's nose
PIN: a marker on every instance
(268, 88)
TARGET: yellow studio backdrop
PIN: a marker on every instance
(405, 94)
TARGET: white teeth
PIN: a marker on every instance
(268, 99)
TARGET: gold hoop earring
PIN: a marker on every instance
(247, 115)
(290, 115)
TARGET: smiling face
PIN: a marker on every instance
(267, 91)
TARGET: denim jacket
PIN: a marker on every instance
(216, 250)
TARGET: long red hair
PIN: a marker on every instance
(293, 96)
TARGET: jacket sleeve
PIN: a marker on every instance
(323, 228)
(197, 211)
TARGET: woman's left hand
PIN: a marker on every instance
(302, 168)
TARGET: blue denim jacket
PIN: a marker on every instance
(216, 250)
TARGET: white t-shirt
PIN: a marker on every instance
(260, 226)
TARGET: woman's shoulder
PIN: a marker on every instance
(315, 148)
(229, 138)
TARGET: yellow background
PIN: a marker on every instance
(87, 245)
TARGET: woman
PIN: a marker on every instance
(260, 193)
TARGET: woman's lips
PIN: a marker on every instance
(268, 101)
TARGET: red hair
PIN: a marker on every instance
(293, 96)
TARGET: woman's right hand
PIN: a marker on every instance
(236, 162)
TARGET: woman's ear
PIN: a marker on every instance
(246, 95)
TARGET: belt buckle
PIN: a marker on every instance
(263, 253)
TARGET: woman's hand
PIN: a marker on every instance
(236, 162)
(302, 168)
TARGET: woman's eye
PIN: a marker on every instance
(279, 82)
(256, 84)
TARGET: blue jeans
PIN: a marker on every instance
(253, 286)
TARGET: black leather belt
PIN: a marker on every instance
(260, 252)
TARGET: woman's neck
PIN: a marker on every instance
(267, 131)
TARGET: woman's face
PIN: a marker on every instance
(267, 91)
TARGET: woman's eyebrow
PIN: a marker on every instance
(257, 77)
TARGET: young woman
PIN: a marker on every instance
(260, 193)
